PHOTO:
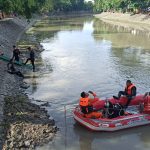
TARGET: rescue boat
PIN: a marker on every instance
(5, 58)
(132, 118)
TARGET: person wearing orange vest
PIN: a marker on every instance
(147, 103)
(86, 102)
(87, 107)
(129, 92)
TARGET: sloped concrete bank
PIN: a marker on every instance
(26, 124)
(126, 17)
(136, 21)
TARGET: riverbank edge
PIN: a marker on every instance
(11, 30)
(126, 18)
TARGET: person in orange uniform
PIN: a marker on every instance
(86, 102)
(129, 92)
(86, 105)
(147, 103)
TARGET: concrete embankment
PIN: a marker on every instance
(136, 21)
(10, 29)
(11, 92)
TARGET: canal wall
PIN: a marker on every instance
(126, 17)
(10, 29)
(136, 21)
(15, 107)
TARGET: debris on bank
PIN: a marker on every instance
(26, 124)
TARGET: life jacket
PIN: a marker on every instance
(147, 105)
(129, 89)
(84, 101)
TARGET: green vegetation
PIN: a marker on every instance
(28, 7)
(134, 6)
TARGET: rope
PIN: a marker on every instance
(65, 127)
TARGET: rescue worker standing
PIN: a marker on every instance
(31, 58)
(86, 102)
(129, 92)
(16, 53)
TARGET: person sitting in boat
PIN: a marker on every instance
(86, 102)
(86, 105)
(129, 92)
(147, 103)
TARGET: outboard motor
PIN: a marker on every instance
(108, 110)
(112, 110)
(118, 110)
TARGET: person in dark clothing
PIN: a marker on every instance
(16, 53)
(129, 92)
(31, 58)
(12, 70)
(1, 53)
(10, 66)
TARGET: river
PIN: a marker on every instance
(83, 54)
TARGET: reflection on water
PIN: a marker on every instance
(31, 79)
(114, 140)
(88, 54)
(121, 37)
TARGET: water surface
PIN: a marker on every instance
(83, 54)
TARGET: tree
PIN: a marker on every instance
(128, 5)
(6, 6)
(88, 6)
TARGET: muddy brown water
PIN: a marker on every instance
(83, 54)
